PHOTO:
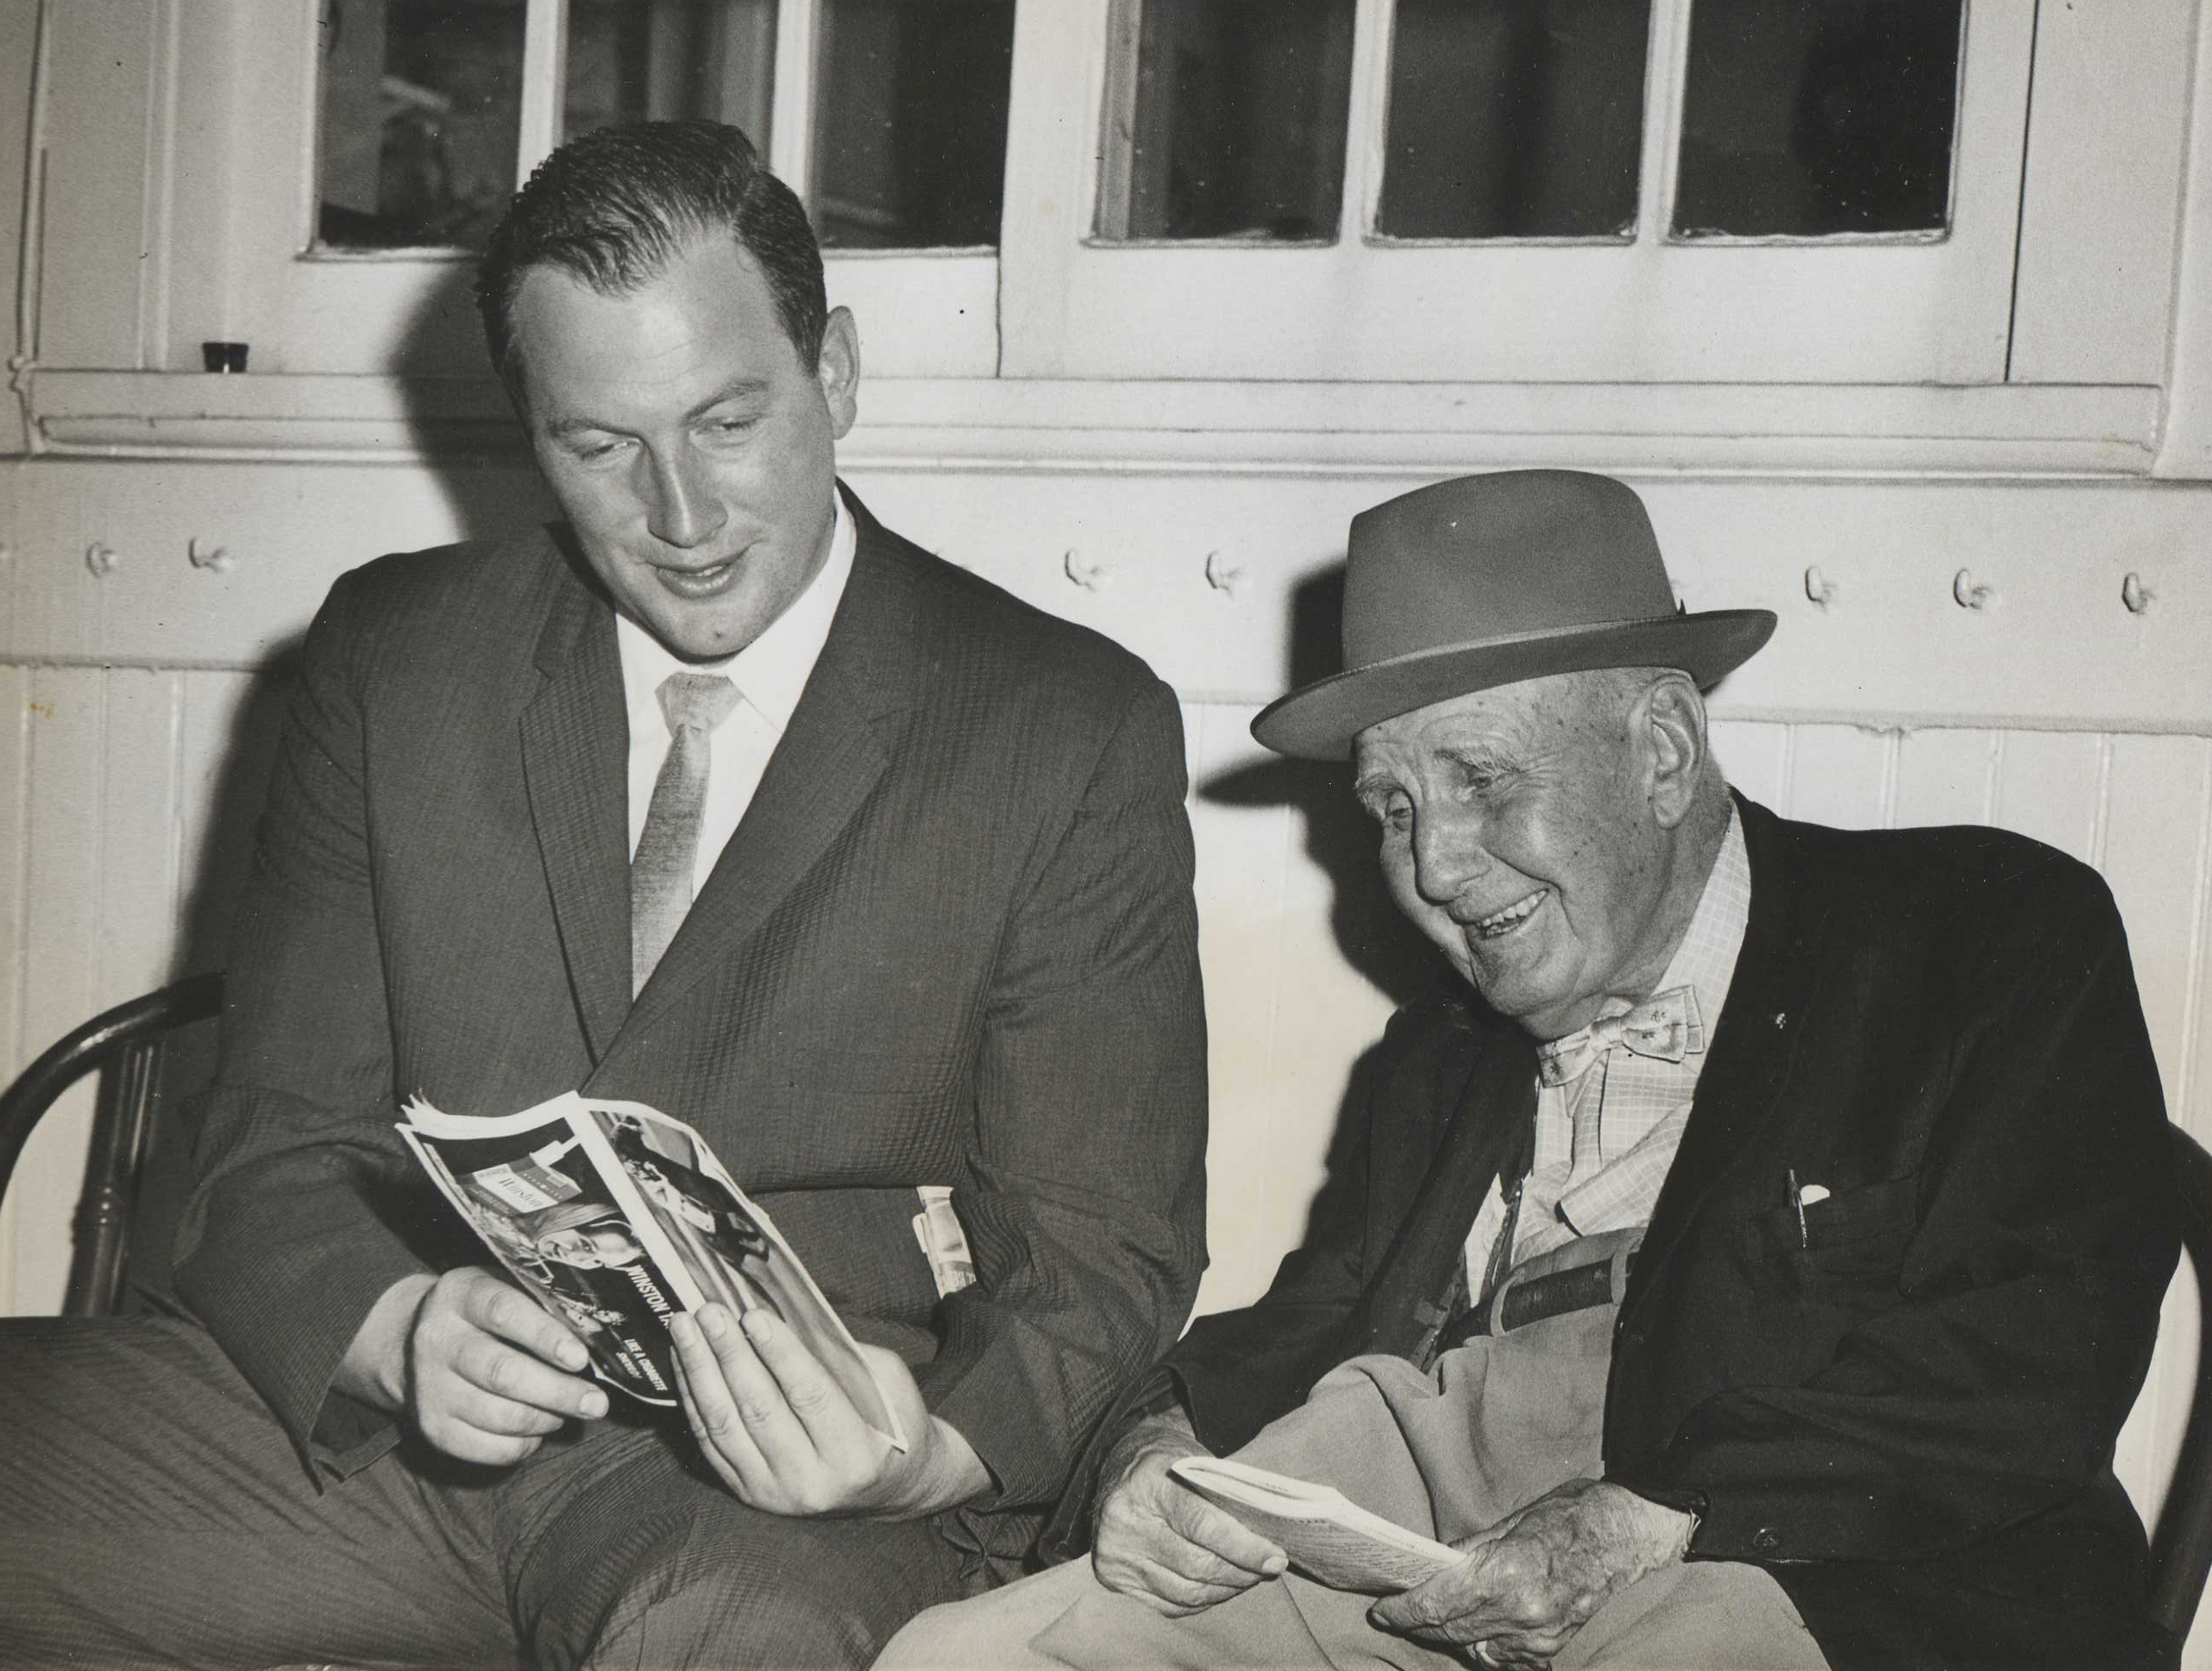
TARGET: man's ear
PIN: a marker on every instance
(838, 370)
(1671, 721)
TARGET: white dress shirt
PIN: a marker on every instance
(770, 673)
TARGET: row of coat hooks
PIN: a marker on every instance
(1093, 573)
(1979, 595)
(103, 560)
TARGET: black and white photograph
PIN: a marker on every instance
(1347, 834)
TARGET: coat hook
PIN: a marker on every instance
(100, 557)
(206, 554)
(1970, 594)
(1818, 586)
(1222, 575)
(2136, 595)
(1085, 572)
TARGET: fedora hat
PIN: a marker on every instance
(1490, 579)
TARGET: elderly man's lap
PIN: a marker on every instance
(1709, 1615)
(1365, 1431)
(152, 1512)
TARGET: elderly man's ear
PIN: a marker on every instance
(1670, 720)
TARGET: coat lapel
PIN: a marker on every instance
(1754, 1046)
(827, 762)
(1489, 1137)
(575, 743)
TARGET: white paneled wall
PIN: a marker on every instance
(136, 719)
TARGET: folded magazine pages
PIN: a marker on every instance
(614, 1218)
(1328, 1536)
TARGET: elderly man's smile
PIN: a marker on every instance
(1499, 924)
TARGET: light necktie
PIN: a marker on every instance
(1665, 1026)
(668, 849)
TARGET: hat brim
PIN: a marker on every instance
(1319, 721)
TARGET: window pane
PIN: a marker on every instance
(910, 122)
(1805, 117)
(655, 60)
(421, 103)
(1229, 122)
(1515, 119)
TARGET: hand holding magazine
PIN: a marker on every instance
(615, 1218)
(1328, 1536)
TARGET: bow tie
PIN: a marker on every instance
(1665, 1026)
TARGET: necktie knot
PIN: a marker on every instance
(1665, 1026)
(702, 701)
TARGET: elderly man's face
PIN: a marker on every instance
(1518, 834)
(689, 446)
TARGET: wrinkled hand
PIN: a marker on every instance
(487, 1374)
(783, 1436)
(1532, 1581)
(1163, 1544)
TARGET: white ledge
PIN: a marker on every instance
(1213, 428)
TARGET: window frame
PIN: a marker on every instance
(1901, 308)
(253, 273)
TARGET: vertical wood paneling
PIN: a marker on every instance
(1241, 839)
(2047, 787)
(1839, 775)
(1944, 777)
(1754, 756)
(2152, 852)
(225, 733)
(2154, 839)
(139, 815)
(61, 935)
(15, 942)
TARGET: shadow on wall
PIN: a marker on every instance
(1372, 935)
(471, 445)
(472, 452)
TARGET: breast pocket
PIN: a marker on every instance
(1856, 1234)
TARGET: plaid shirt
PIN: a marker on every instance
(1605, 1139)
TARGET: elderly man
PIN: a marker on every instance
(1750, 1264)
(721, 796)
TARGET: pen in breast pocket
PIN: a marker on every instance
(1797, 1205)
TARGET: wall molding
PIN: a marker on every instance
(1379, 430)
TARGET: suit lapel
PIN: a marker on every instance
(1488, 1138)
(575, 745)
(1744, 1078)
(826, 764)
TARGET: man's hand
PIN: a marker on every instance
(1163, 1544)
(784, 1437)
(484, 1374)
(1532, 1581)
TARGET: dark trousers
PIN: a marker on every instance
(152, 1512)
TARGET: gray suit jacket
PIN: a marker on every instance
(953, 942)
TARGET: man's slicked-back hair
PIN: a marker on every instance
(615, 206)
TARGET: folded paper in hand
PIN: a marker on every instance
(614, 1218)
(1328, 1537)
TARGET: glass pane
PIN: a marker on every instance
(1229, 122)
(1806, 118)
(1515, 119)
(421, 103)
(910, 122)
(655, 60)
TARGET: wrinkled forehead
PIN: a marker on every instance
(1507, 720)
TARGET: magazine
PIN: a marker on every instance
(615, 1218)
(1328, 1536)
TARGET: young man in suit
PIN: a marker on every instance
(1748, 1261)
(943, 938)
